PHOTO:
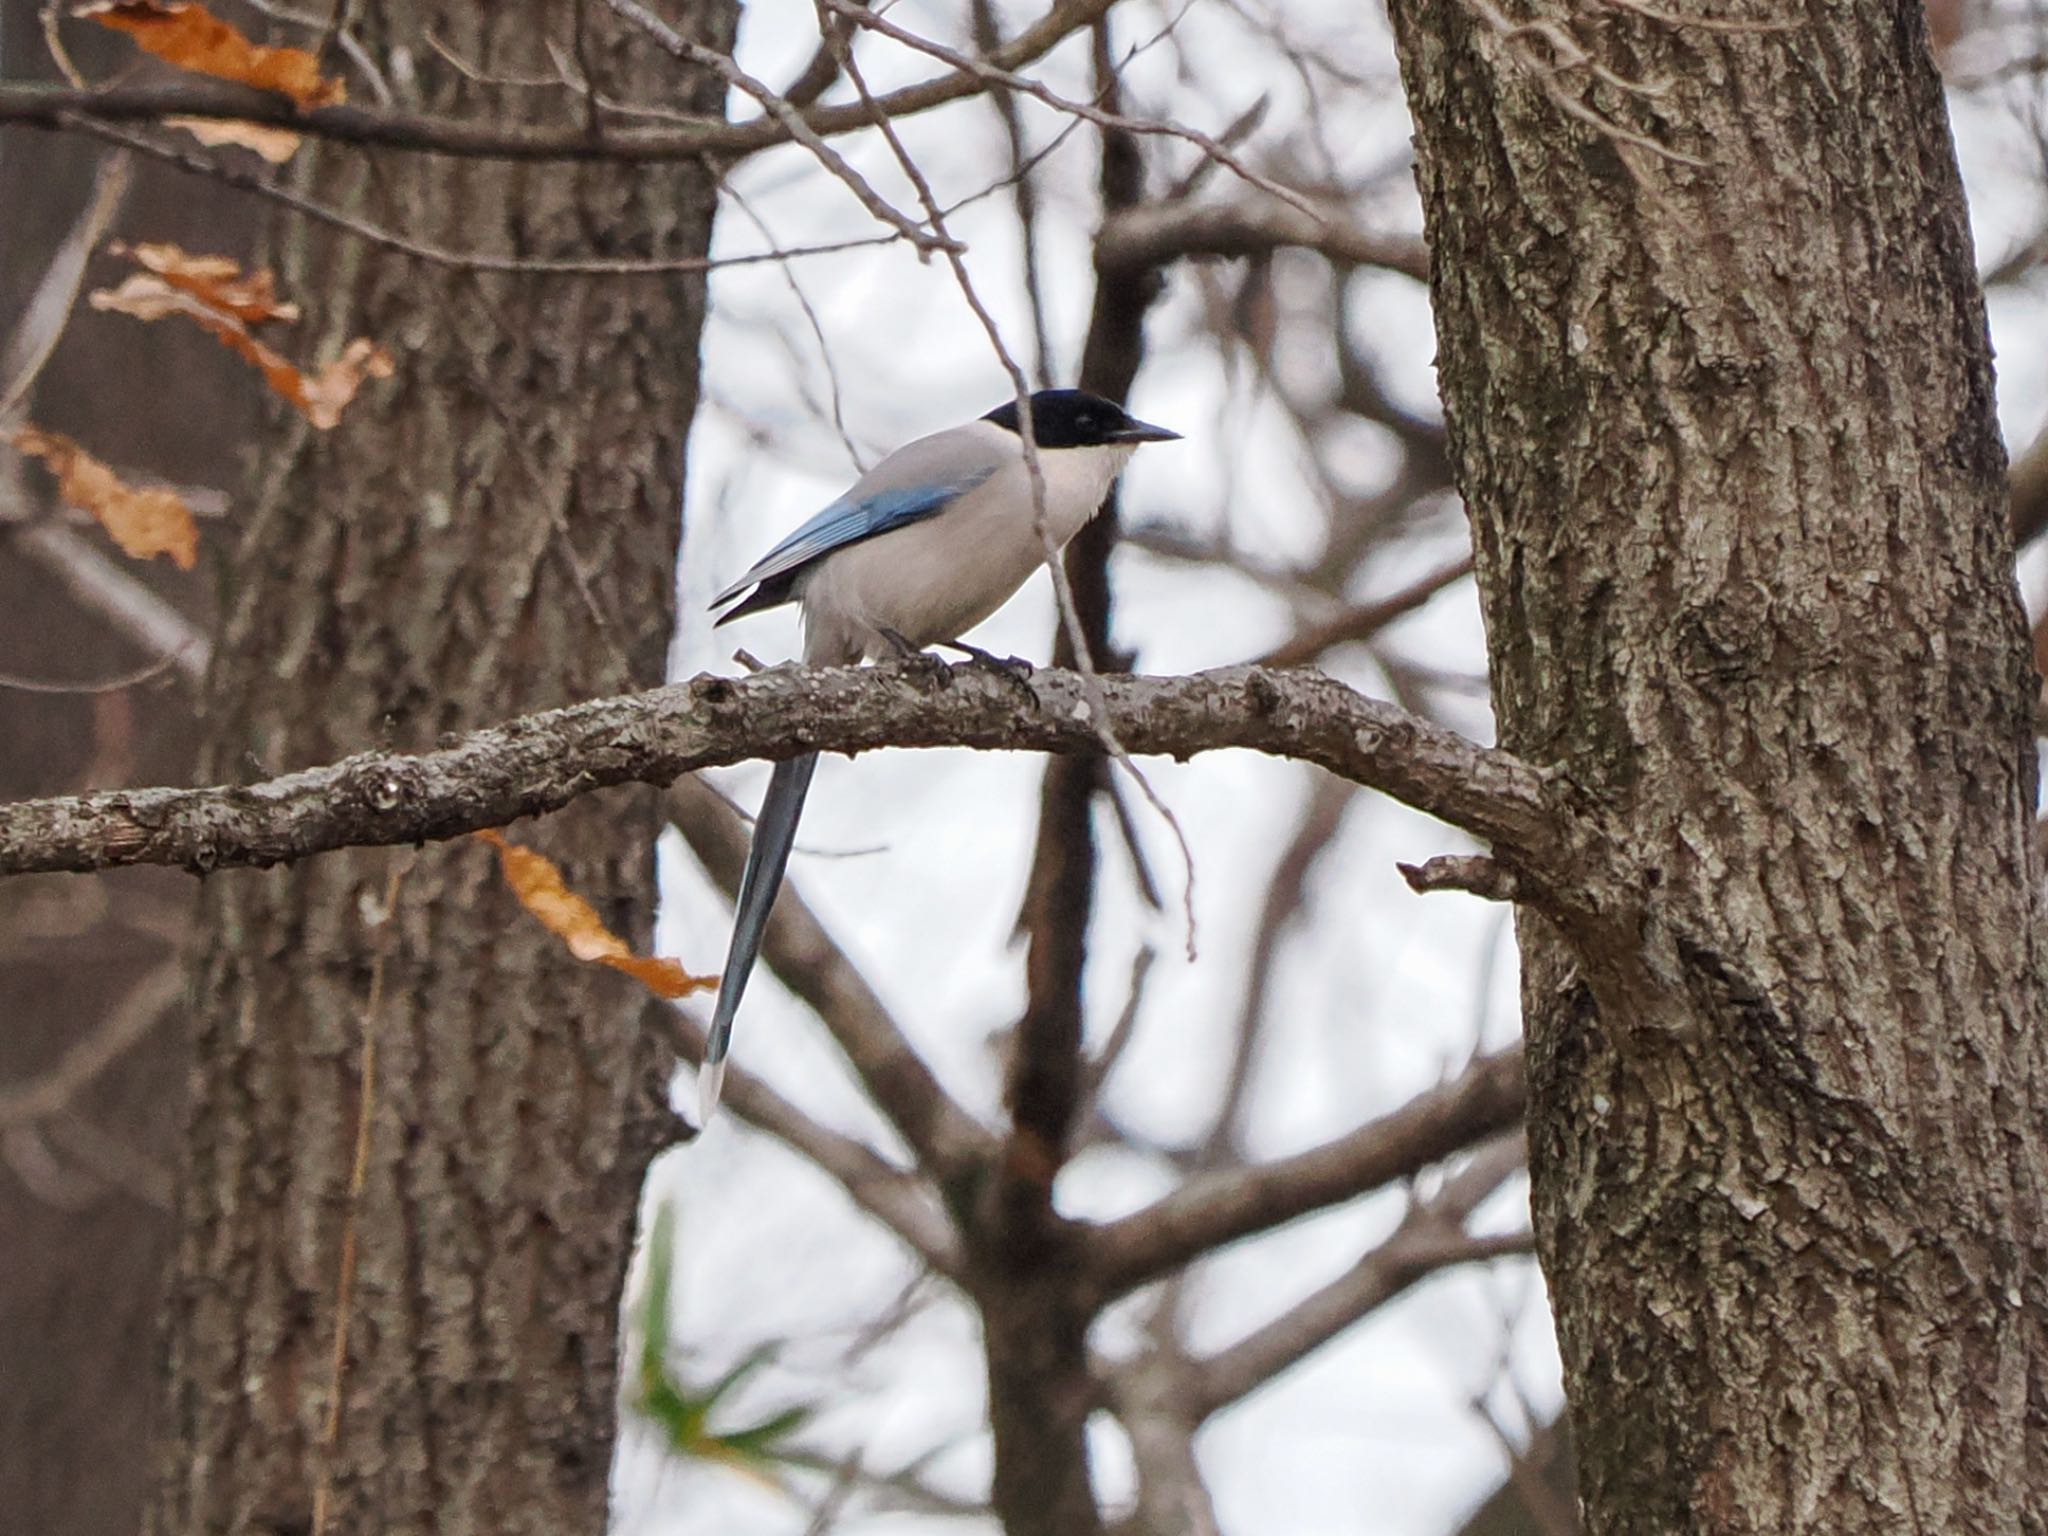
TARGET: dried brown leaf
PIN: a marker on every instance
(145, 523)
(276, 145)
(216, 281)
(212, 292)
(538, 885)
(187, 35)
(321, 397)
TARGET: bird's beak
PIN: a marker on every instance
(1145, 432)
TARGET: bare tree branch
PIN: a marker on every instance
(48, 310)
(1367, 619)
(135, 1016)
(817, 77)
(541, 762)
(1157, 233)
(107, 588)
(988, 38)
(1219, 1208)
(193, 163)
(1149, 1397)
(1472, 873)
(689, 51)
(986, 70)
(48, 106)
(1430, 1238)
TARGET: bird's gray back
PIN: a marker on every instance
(943, 458)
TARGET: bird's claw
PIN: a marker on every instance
(911, 657)
(1015, 668)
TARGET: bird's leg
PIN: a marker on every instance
(910, 655)
(1015, 668)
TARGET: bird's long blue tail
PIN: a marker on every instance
(774, 832)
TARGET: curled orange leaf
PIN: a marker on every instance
(215, 281)
(213, 293)
(538, 885)
(187, 35)
(321, 397)
(145, 523)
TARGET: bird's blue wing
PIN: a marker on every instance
(849, 521)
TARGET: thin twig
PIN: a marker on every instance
(386, 919)
(692, 52)
(49, 309)
(1156, 127)
(61, 107)
(810, 314)
(109, 590)
(988, 38)
(194, 163)
(1569, 55)
(131, 1019)
(114, 684)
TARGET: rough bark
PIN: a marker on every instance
(1726, 435)
(494, 530)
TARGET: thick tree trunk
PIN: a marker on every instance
(492, 531)
(1726, 434)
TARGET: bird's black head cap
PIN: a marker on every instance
(1073, 418)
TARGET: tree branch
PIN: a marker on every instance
(230, 174)
(689, 51)
(1367, 619)
(49, 106)
(1430, 1238)
(1219, 1208)
(1472, 873)
(1158, 233)
(123, 1027)
(542, 762)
